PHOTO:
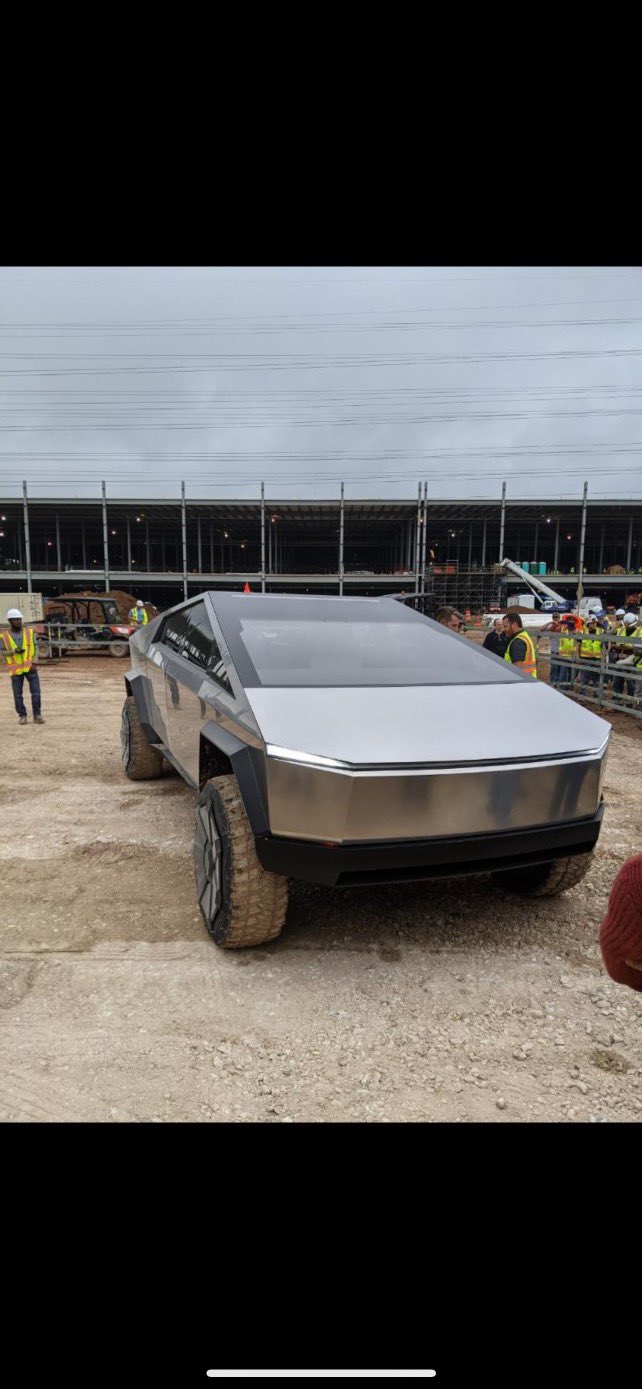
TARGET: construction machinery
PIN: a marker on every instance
(73, 624)
(542, 599)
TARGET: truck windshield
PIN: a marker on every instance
(330, 653)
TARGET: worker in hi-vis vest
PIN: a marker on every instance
(567, 651)
(138, 613)
(19, 651)
(520, 651)
(591, 651)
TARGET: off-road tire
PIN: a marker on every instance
(241, 904)
(141, 761)
(546, 879)
(44, 649)
(119, 648)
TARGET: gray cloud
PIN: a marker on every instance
(306, 376)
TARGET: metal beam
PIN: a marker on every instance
(580, 581)
(341, 522)
(417, 538)
(129, 546)
(484, 544)
(83, 541)
(556, 558)
(424, 528)
(601, 564)
(211, 547)
(198, 542)
(58, 552)
(262, 537)
(536, 540)
(25, 515)
(147, 547)
(470, 546)
(502, 523)
(184, 538)
(629, 546)
(105, 538)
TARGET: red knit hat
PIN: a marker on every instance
(621, 929)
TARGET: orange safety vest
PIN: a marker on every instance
(529, 666)
(19, 658)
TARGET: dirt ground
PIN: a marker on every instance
(442, 1001)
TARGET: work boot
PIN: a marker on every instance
(37, 718)
(23, 718)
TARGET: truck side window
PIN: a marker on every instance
(189, 634)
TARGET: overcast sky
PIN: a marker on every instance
(305, 376)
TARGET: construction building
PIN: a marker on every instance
(164, 549)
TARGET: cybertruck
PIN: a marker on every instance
(352, 741)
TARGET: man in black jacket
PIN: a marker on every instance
(496, 640)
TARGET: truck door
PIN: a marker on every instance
(190, 653)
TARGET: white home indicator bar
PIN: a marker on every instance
(321, 1374)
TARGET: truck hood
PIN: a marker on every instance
(445, 725)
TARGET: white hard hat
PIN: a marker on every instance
(619, 612)
(139, 603)
(630, 620)
(14, 612)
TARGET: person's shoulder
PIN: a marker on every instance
(630, 877)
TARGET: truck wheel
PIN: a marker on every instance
(241, 904)
(141, 761)
(44, 649)
(118, 648)
(546, 879)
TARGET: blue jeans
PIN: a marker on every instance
(557, 671)
(33, 681)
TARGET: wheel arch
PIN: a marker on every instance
(228, 755)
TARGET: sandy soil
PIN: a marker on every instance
(444, 1001)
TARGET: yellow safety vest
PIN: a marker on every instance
(19, 658)
(566, 647)
(529, 666)
(590, 648)
(135, 618)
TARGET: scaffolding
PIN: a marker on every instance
(476, 591)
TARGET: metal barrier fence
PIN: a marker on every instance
(75, 638)
(612, 682)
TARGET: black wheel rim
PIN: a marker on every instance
(207, 854)
(125, 739)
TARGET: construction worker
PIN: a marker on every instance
(138, 614)
(633, 633)
(19, 644)
(566, 651)
(520, 651)
(555, 629)
(590, 651)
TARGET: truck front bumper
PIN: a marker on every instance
(399, 861)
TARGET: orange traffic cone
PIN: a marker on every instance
(246, 587)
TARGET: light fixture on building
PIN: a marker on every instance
(113, 532)
(569, 537)
(139, 518)
(3, 518)
(49, 543)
